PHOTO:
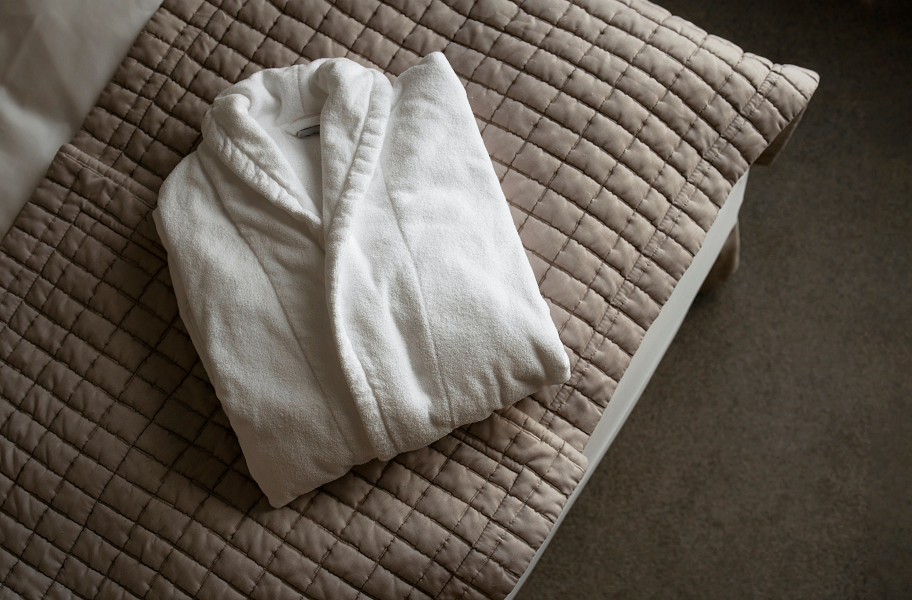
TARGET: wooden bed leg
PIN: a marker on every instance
(726, 263)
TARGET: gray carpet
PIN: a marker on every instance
(771, 455)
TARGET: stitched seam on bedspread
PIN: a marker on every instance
(403, 54)
(629, 64)
(541, 114)
(138, 518)
(89, 437)
(721, 143)
(85, 308)
(576, 67)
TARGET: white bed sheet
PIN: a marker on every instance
(55, 58)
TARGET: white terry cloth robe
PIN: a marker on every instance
(358, 292)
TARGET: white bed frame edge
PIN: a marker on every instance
(647, 357)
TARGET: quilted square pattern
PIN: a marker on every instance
(617, 132)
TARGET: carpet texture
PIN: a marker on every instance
(771, 455)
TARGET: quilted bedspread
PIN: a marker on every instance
(617, 131)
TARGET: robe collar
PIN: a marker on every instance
(353, 104)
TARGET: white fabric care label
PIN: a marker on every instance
(304, 127)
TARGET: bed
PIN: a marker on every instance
(622, 137)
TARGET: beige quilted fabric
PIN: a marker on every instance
(617, 131)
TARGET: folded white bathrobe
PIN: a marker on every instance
(357, 292)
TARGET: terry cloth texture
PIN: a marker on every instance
(616, 130)
(355, 293)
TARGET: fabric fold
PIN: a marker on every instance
(356, 293)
